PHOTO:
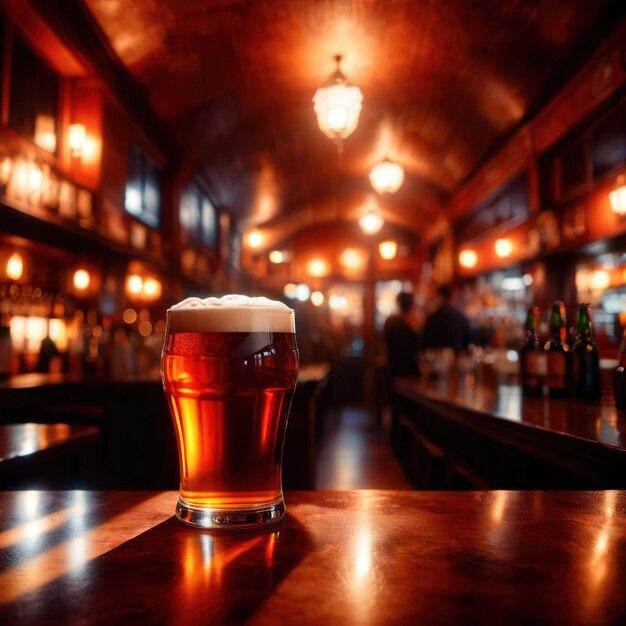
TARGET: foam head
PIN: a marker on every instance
(230, 314)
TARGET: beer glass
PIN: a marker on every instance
(229, 368)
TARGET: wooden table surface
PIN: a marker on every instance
(361, 557)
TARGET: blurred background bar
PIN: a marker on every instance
(330, 155)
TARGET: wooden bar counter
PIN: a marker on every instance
(361, 557)
(484, 433)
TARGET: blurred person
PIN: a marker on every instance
(402, 339)
(48, 352)
(447, 326)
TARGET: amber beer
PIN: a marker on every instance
(229, 369)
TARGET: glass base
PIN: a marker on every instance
(230, 520)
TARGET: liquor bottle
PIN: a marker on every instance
(619, 378)
(558, 355)
(586, 359)
(532, 356)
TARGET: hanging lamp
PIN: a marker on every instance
(337, 105)
(386, 176)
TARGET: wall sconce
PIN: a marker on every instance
(15, 266)
(371, 223)
(388, 249)
(617, 197)
(82, 279)
(503, 247)
(45, 132)
(77, 140)
(468, 258)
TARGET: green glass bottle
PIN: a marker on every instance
(558, 355)
(586, 359)
(532, 356)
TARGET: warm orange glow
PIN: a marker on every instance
(351, 259)
(15, 266)
(338, 105)
(134, 284)
(145, 329)
(130, 316)
(278, 256)
(387, 176)
(77, 139)
(371, 223)
(317, 267)
(388, 249)
(617, 197)
(151, 288)
(91, 149)
(45, 132)
(81, 279)
(52, 560)
(503, 247)
(290, 290)
(57, 329)
(317, 298)
(254, 239)
(468, 258)
(600, 279)
(5, 169)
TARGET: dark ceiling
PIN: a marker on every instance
(444, 84)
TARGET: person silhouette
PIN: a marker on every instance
(402, 339)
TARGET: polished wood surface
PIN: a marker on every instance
(139, 446)
(366, 557)
(48, 454)
(597, 422)
(466, 430)
(23, 440)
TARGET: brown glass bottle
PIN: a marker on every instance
(532, 356)
(558, 355)
(619, 378)
(585, 359)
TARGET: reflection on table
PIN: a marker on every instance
(373, 557)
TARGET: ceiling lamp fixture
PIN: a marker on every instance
(317, 267)
(388, 249)
(82, 279)
(254, 239)
(371, 223)
(468, 258)
(387, 176)
(503, 247)
(351, 259)
(337, 105)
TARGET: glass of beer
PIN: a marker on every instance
(229, 368)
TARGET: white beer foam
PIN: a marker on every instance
(230, 314)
